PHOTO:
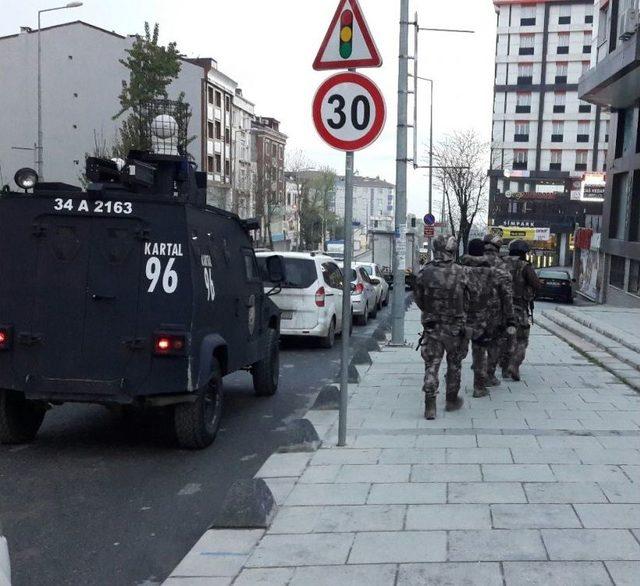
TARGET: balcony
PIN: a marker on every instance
(520, 165)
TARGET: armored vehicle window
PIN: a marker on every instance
(332, 275)
(250, 266)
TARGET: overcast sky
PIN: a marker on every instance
(268, 46)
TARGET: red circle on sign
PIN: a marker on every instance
(378, 102)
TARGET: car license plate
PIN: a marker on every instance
(287, 315)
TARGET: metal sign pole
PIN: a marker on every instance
(346, 298)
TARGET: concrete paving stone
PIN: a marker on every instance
(194, 581)
(399, 547)
(385, 441)
(517, 473)
(624, 573)
(496, 545)
(267, 576)
(450, 574)
(446, 473)
(446, 517)
(478, 456)
(413, 493)
(320, 474)
(545, 456)
(508, 441)
(590, 544)
(219, 552)
(588, 473)
(568, 441)
(301, 550)
(345, 456)
(534, 517)
(413, 456)
(601, 516)
(486, 492)
(632, 472)
(620, 442)
(561, 424)
(328, 494)
(374, 473)
(501, 423)
(281, 465)
(351, 575)
(280, 488)
(295, 520)
(446, 441)
(621, 492)
(609, 456)
(564, 492)
(556, 574)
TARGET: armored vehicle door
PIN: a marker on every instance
(253, 296)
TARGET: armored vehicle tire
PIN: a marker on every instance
(197, 423)
(20, 419)
(266, 372)
(330, 338)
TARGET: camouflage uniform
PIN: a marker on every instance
(490, 304)
(441, 292)
(525, 284)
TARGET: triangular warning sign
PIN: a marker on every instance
(348, 42)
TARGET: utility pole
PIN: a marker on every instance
(399, 255)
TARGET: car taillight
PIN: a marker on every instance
(5, 337)
(167, 344)
(359, 289)
(320, 295)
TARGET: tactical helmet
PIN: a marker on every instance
(519, 248)
(476, 247)
(444, 247)
(493, 240)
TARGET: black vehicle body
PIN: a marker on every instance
(133, 292)
(557, 285)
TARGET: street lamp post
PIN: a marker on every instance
(39, 163)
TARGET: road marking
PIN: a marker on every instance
(249, 457)
(189, 489)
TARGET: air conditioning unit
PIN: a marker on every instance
(629, 23)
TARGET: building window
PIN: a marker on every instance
(523, 102)
(619, 200)
(280, 153)
(556, 161)
(527, 16)
(562, 71)
(583, 131)
(520, 159)
(522, 132)
(563, 43)
(527, 43)
(227, 103)
(218, 99)
(588, 17)
(210, 95)
(586, 43)
(227, 135)
(616, 275)
(564, 14)
(218, 130)
(218, 168)
(634, 277)
(581, 160)
(210, 164)
(227, 167)
(210, 129)
(605, 130)
(557, 131)
(559, 101)
(584, 108)
(525, 73)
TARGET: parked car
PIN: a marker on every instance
(557, 284)
(380, 283)
(363, 296)
(310, 299)
(5, 564)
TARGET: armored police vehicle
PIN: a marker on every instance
(132, 292)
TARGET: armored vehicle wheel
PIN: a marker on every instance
(266, 372)
(20, 419)
(330, 338)
(196, 424)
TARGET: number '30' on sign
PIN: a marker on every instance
(349, 111)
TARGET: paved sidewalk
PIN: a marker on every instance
(537, 485)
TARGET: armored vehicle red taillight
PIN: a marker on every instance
(169, 344)
(5, 337)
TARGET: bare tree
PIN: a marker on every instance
(462, 158)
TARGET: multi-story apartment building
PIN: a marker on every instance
(614, 83)
(373, 202)
(544, 138)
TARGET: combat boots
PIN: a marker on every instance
(515, 373)
(479, 392)
(454, 402)
(430, 408)
(492, 381)
(505, 372)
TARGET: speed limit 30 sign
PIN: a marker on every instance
(349, 111)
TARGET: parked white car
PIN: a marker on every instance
(311, 297)
(5, 564)
(377, 278)
(363, 296)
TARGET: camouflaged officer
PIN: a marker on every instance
(442, 294)
(525, 285)
(490, 297)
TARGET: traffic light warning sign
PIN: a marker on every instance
(348, 42)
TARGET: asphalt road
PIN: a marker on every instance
(95, 501)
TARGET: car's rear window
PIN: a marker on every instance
(546, 274)
(368, 269)
(300, 272)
